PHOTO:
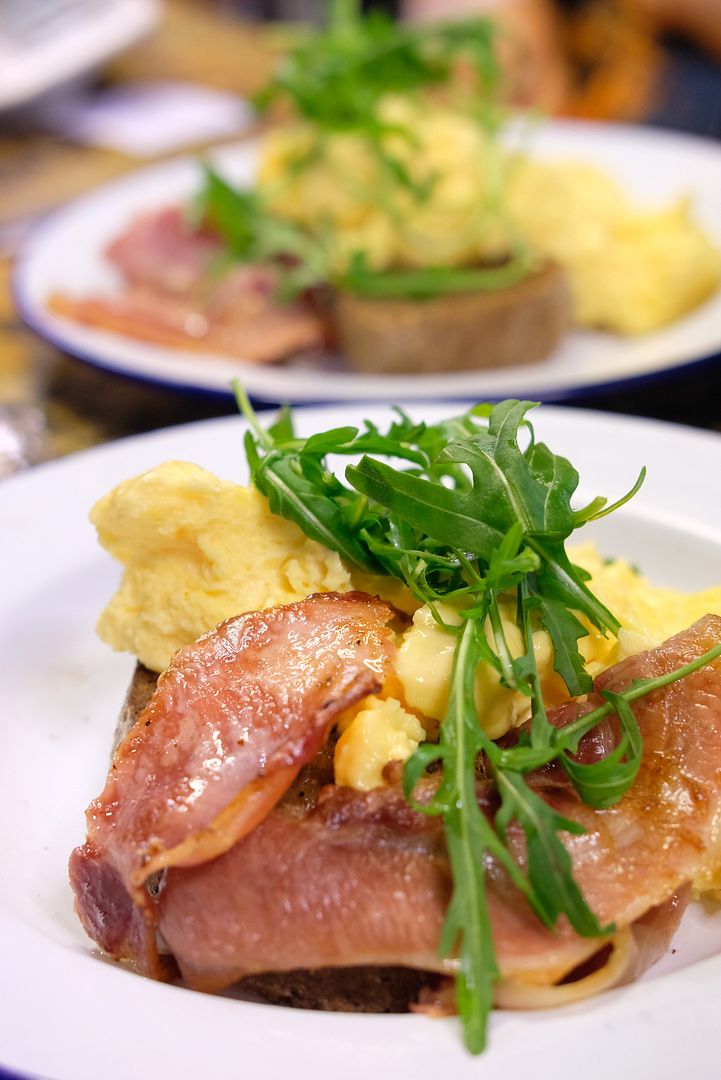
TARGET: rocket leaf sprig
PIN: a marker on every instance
(463, 513)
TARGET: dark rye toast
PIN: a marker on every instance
(376, 989)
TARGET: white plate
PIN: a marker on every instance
(68, 1015)
(65, 252)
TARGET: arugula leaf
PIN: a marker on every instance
(565, 630)
(426, 505)
(296, 491)
(469, 834)
(561, 581)
(281, 430)
(599, 507)
(366, 58)
(474, 512)
(252, 233)
(431, 281)
(602, 783)
(549, 865)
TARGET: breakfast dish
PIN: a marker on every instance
(65, 253)
(65, 685)
(494, 206)
(455, 759)
(391, 218)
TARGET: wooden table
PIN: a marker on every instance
(73, 405)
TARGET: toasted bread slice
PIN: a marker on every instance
(465, 331)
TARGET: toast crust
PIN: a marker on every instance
(520, 324)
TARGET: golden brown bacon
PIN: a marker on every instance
(360, 880)
(666, 829)
(245, 322)
(664, 833)
(232, 721)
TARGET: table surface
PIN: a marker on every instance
(70, 406)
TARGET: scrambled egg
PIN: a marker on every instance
(630, 270)
(197, 550)
(424, 666)
(357, 204)
(381, 731)
(648, 613)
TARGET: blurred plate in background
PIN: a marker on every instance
(65, 252)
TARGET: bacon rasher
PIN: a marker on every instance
(363, 879)
(176, 294)
(232, 721)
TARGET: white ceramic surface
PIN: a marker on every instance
(65, 252)
(69, 1015)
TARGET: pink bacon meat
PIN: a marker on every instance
(162, 250)
(231, 723)
(362, 879)
(175, 295)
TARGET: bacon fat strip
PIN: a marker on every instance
(365, 880)
(232, 721)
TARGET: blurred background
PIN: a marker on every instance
(90, 89)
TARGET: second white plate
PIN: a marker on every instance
(65, 253)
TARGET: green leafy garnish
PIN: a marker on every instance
(344, 80)
(474, 513)
(338, 78)
(432, 281)
(252, 233)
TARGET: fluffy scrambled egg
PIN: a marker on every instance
(424, 664)
(648, 613)
(197, 550)
(379, 732)
(630, 270)
(343, 190)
